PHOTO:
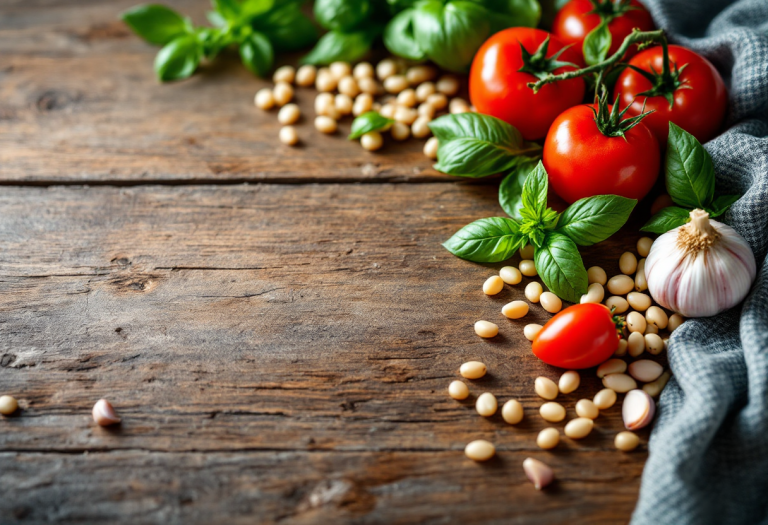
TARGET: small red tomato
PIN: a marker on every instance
(578, 17)
(581, 336)
(582, 161)
(690, 93)
(499, 88)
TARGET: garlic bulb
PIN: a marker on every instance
(701, 268)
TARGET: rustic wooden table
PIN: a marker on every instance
(276, 326)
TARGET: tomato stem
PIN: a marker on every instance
(636, 37)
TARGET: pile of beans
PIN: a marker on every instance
(411, 96)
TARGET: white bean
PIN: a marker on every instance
(325, 124)
(388, 110)
(400, 131)
(515, 310)
(395, 84)
(527, 252)
(407, 97)
(386, 68)
(324, 104)
(406, 115)
(528, 268)
(650, 329)
(458, 390)
(552, 412)
(531, 331)
(620, 284)
(645, 370)
(595, 294)
(369, 86)
(657, 317)
(545, 388)
(437, 100)
(597, 275)
(493, 285)
(620, 383)
(458, 105)
(640, 283)
(425, 110)
(569, 382)
(306, 75)
(288, 136)
(372, 141)
(424, 90)
(430, 147)
(283, 93)
(363, 70)
(548, 438)
(619, 305)
(420, 127)
(550, 302)
(473, 369)
(628, 263)
(675, 320)
(448, 85)
(8, 405)
(612, 366)
(324, 81)
(635, 344)
(343, 104)
(486, 404)
(284, 74)
(340, 70)
(654, 388)
(636, 322)
(480, 450)
(579, 428)
(264, 99)
(510, 275)
(289, 114)
(587, 408)
(512, 412)
(622, 349)
(420, 74)
(626, 441)
(363, 104)
(486, 329)
(639, 301)
(533, 291)
(644, 246)
(605, 399)
(654, 344)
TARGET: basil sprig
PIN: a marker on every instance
(367, 122)
(257, 27)
(690, 180)
(554, 236)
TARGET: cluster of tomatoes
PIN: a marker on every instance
(580, 159)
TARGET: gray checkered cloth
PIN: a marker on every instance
(708, 459)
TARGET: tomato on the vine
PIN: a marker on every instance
(581, 336)
(686, 90)
(502, 69)
(578, 17)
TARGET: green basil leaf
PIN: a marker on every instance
(252, 8)
(535, 192)
(721, 204)
(489, 240)
(513, 13)
(257, 54)
(399, 39)
(559, 265)
(667, 219)
(511, 188)
(690, 173)
(156, 24)
(475, 145)
(450, 34)
(336, 46)
(596, 44)
(178, 59)
(367, 122)
(341, 15)
(287, 28)
(594, 219)
(228, 9)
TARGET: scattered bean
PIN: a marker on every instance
(626, 441)
(458, 105)
(306, 75)
(675, 320)
(486, 404)
(636, 322)
(363, 70)
(458, 390)
(531, 331)
(372, 141)
(430, 148)
(425, 110)
(639, 301)
(493, 285)
(640, 283)
(369, 86)
(420, 127)
(533, 291)
(325, 124)
(527, 252)
(405, 115)
(657, 317)
(635, 344)
(645, 370)
(437, 101)
(552, 412)
(324, 81)
(538, 473)
(388, 110)
(587, 408)
(620, 284)
(486, 329)
(103, 413)
(605, 399)
(618, 304)
(419, 74)
(386, 68)
(473, 370)
(363, 103)
(510, 275)
(395, 84)
(424, 91)
(628, 263)
(622, 349)
(654, 388)
(550, 302)
(348, 86)
(515, 309)
(512, 412)
(612, 366)
(644, 246)
(325, 103)
(545, 388)
(569, 382)
(650, 329)
(595, 294)
(407, 97)
(288, 136)
(579, 428)
(284, 74)
(8, 405)
(288, 114)
(548, 438)
(654, 344)
(480, 450)
(340, 70)
(528, 268)
(283, 93)
(597, 275)
(448, 85)
(400, 131)
(264, 99)
(620, 383)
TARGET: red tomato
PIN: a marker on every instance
(700, 98)
(581, 336)
(573, 22)
(497, 88)
(581, 161)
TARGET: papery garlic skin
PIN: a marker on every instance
(700, 279)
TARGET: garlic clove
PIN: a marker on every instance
(539, 473)
(103, 413)
(638, 409)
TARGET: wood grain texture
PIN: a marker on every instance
(275, 336)
(79, 102)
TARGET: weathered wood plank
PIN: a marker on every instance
(79, 102)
